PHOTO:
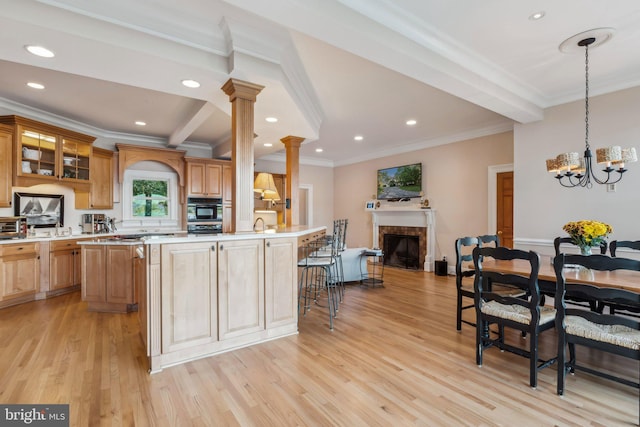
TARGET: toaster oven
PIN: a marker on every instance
(13, 227)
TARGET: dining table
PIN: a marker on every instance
(622, 279)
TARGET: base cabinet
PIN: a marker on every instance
(19, 270)
(281, 284)
(65, 264)
(189, 295)
(108, 277)
(241, 287)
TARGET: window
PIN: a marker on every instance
(149, 199)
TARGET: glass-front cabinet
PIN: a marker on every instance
(47, 154)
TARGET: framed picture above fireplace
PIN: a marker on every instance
(400, 182)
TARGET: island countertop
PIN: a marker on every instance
(281, 232)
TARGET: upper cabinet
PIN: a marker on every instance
(49, 154)
(204, 177)
(6, 141)
(100, 195)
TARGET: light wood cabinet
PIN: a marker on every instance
(204, 178)
(240, 287)
(281, 284)
(65, 265)
(189, 295)
(19, 270)
(227, 179)
(227, 199)
(100, 194)
(46, 154)
(108, 277)
(6, 165)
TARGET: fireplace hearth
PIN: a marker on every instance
(402, 251)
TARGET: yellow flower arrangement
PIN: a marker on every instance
(587, 233)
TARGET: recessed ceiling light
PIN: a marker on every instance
(190, 83)
(268, 144)
(35, 85)
(537, 15)
(358, 137)
(411, 122)
(272, 119)
(39, 51)
(319, 150)
(140, 123)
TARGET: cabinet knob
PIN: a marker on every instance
(221, 247)
(268, 244)
(213, 248)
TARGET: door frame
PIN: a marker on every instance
(492, 193)
(309, 189)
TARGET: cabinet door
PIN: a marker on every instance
(6, 166)
(189, 295)
(62, 269)
(101, 195)
(240, 287)
(280, 281)
(94, 280)
(19, 270)
(36, 154)
(196, 179)
(214, 180)
(73, 163)
(120, 274)
(227, 177)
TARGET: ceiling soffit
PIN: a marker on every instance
(406, 46)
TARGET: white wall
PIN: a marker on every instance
(541, 205)
(455, 180)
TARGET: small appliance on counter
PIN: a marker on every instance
(93, 223)
(13, 227)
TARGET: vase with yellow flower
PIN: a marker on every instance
(586, 234)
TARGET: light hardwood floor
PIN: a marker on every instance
(394, 359)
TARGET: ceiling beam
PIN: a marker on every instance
(202, 113)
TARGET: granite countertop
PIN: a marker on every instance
(135, 238)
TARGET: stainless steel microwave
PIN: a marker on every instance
(204, 210)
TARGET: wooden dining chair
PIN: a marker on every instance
(612, 333)
(567, 240)
(613, 307)
(487, 239)
(631, 244)
(523, 314)
(464, 283)
(577, 299)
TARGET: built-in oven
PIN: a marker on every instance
(204, 215)
(203, 228)
(204, 209)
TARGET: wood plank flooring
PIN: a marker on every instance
(394, 359)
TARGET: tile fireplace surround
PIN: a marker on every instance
(407, 221)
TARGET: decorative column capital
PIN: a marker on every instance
(240, 89)
(292, 141)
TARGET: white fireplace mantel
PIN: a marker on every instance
(408, 217)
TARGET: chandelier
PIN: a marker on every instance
(571, 170)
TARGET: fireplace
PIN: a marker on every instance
(401, 251)
(407, 221)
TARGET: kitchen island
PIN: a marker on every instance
(203, 295)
